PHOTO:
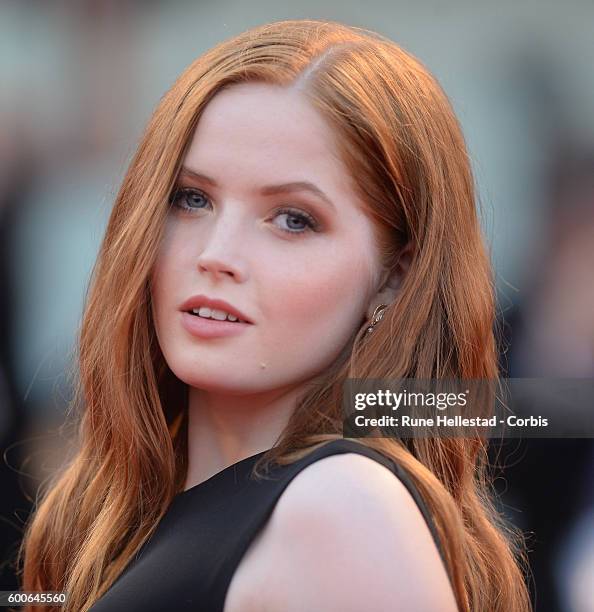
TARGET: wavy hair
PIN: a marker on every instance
(403, 146)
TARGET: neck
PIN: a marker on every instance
(224, 429)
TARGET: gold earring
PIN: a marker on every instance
(378, 313)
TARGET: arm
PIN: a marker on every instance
(346, 536)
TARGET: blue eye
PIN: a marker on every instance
(187, 199)
(298, 222)
(302, 219)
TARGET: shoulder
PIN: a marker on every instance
(347, 535)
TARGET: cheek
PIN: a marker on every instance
(165, 282)
(325, 298)
(170, 265)
(159, 303)
(159, 281)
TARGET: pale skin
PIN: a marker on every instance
(345, 536)
(306, 291)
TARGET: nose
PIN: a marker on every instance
(219, 268)
(220, 257)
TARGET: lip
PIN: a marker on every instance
(211, 328)
(196, 301)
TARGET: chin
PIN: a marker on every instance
(222, 382)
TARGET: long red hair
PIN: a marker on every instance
(405, 152)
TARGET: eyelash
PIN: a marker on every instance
(311, 224)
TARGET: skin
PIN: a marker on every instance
(366, 522)
(306, 293)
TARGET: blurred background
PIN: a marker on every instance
(78, 82)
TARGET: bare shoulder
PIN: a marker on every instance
(347, 535)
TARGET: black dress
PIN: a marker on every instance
(188, 563)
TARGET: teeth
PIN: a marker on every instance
(213, 313)
(219, 315)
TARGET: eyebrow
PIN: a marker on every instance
(269, 190)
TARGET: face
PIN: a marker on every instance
(301, 264)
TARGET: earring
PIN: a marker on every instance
(378, 313)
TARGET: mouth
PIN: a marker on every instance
(214, 315)
(206, 327)
(209, 309)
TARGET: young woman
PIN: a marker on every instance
(300, 181)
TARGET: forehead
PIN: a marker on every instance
(260, 131)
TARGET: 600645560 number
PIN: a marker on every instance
(9, 598)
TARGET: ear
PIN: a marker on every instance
(391, 280)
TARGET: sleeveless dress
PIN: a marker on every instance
(189, 561)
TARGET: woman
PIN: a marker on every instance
(303, 181)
